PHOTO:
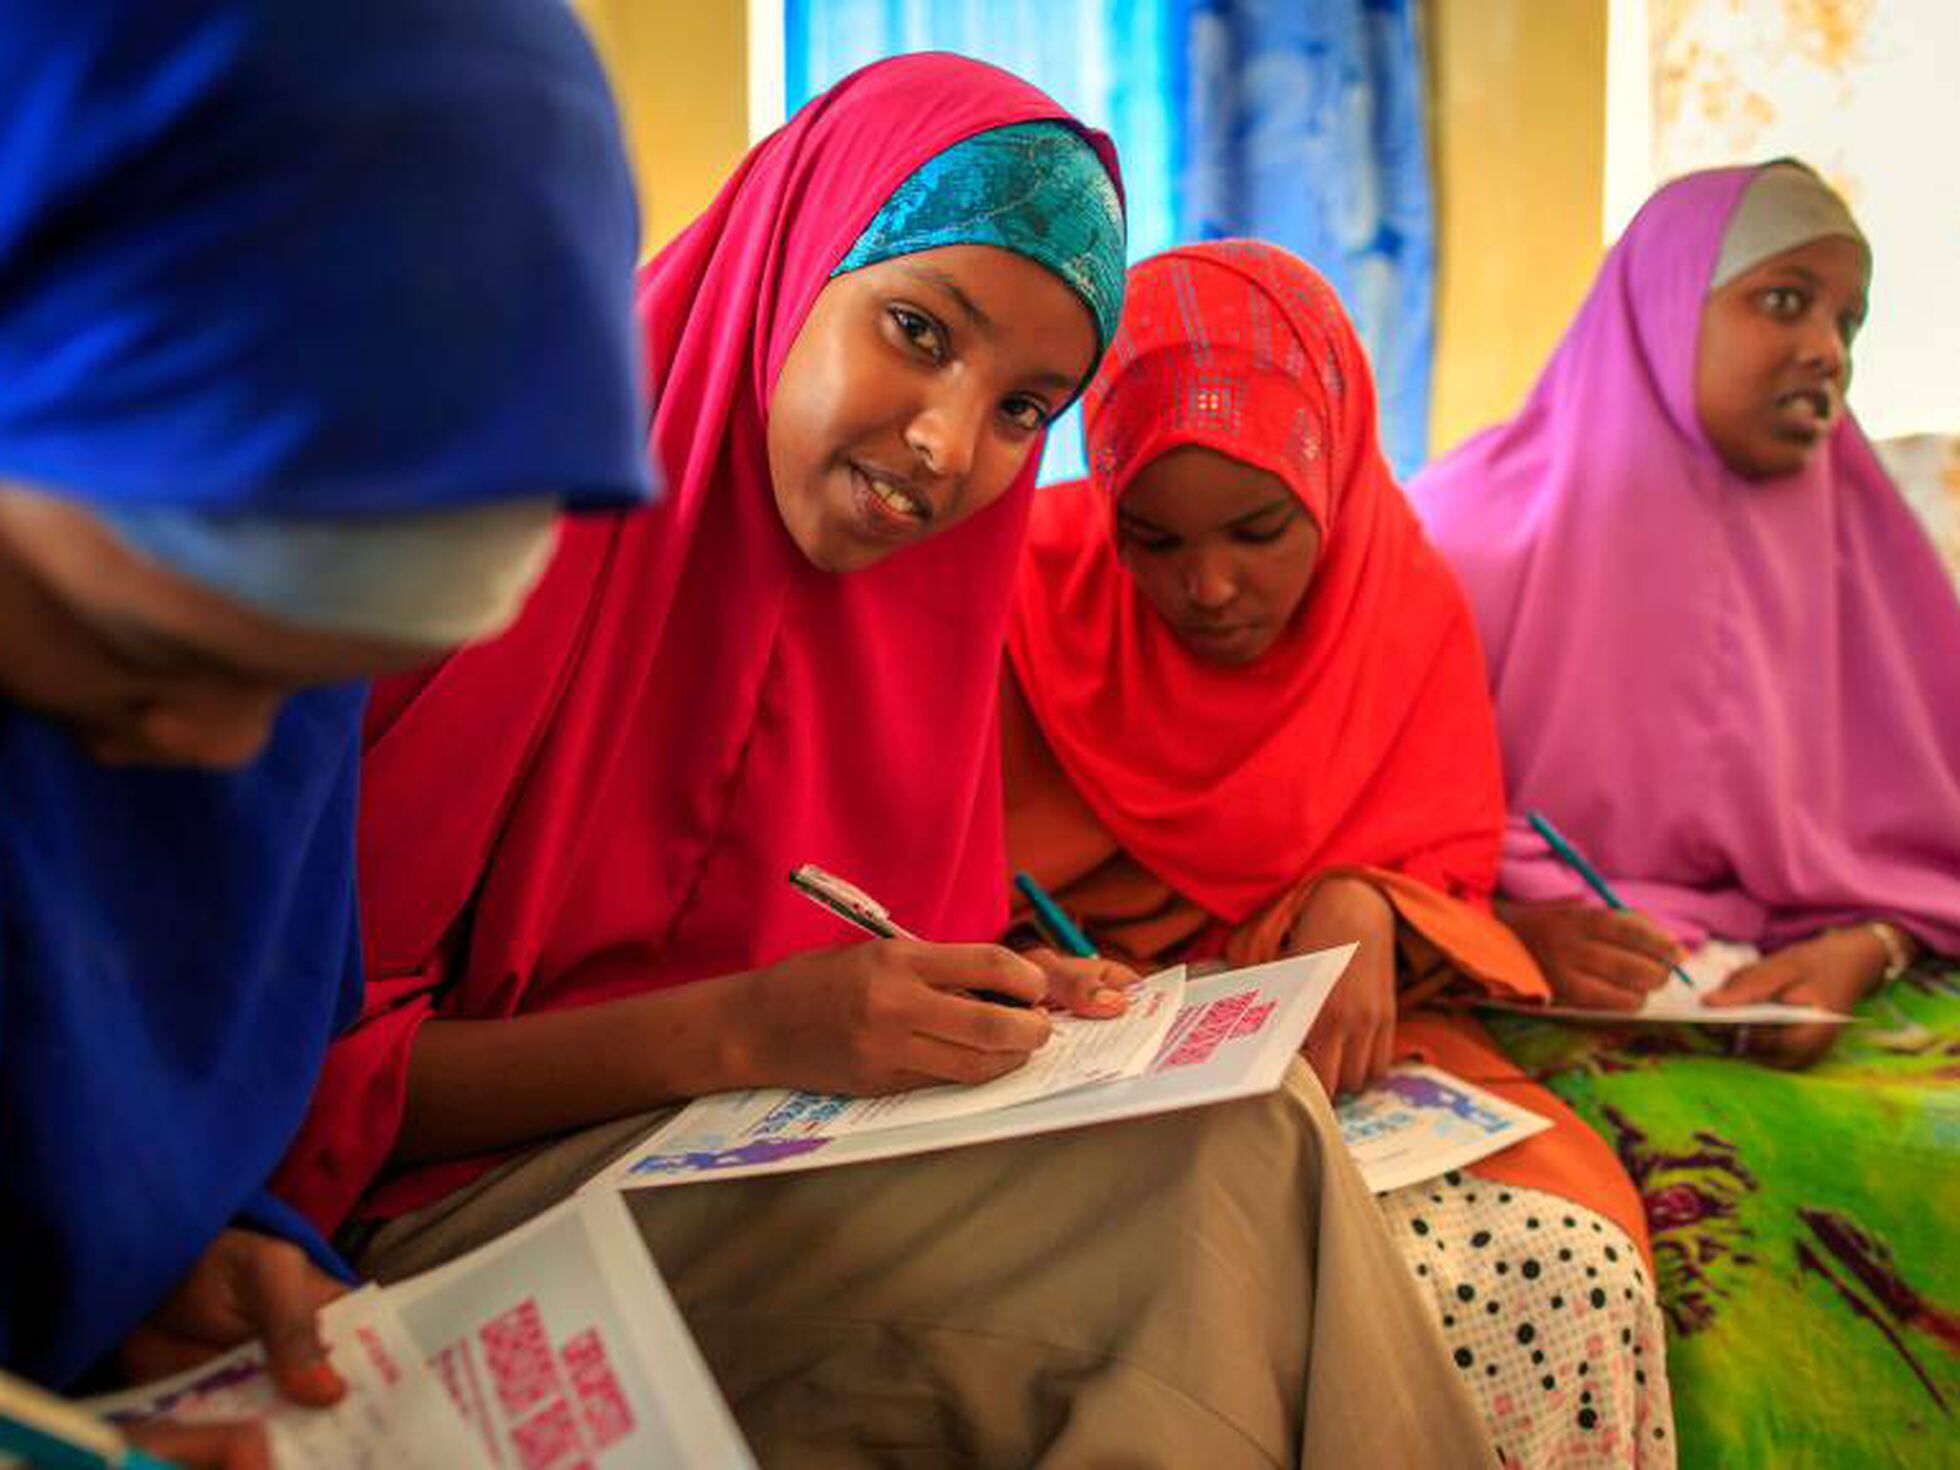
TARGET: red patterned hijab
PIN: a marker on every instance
(1364, 736)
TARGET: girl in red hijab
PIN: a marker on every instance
(1245, 715)
(575, 842)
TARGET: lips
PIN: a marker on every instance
(1808, 411)
(1219, 636)
(888, 509)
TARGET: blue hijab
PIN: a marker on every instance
(372, 256)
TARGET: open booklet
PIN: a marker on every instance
(554, 1347)
(1707, 968)
(1229, 1035)
(1418, 1122)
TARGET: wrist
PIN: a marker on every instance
(1343, 910)
(1897, 945)
(699, 1038)
(736, 1053)
(1354, 904)
(1864, 963)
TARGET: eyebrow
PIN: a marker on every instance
(932, 274)
(1278, 502)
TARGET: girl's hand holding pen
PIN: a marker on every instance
(887, 1016)
(1604, 958)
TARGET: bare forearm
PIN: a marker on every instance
(476, 1085)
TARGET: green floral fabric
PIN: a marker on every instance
(1806, 1225)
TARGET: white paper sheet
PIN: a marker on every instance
(563, 1351)
(1708, 967)
(1418, 1122)
(395, 1413)
(554, 1347)
(1232, 1037)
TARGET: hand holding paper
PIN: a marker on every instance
(1831, 972)
(1707, 969)
(1231, 1035)
(555, 1344)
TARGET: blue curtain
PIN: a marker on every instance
(1299, 122)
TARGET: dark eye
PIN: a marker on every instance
(1786, 303)
(1026, 413)
(1262, 535)
(1154, 542)
(921, 331)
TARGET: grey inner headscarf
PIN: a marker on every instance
(1784, 206)
(438, 578)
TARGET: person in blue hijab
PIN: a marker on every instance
(311, 318)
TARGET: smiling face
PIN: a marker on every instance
(914, 394)
(140, 664)
(1774, 356)
(1223, 552)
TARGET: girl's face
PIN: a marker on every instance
(913, 394)
(1222, 551)
(141, 665)
(1774, 356)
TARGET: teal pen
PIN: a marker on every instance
(1566, 853)
(53, 1434)
(1057, 925)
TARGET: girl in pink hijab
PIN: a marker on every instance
(1725, 658)
(574, 844)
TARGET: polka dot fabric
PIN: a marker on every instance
(1550, 1315)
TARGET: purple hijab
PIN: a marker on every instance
(1741, 700)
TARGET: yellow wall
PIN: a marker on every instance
(1519, 125)
(680, 69)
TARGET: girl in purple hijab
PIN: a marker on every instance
(1725, 658)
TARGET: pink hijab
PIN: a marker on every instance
(609, 799)
(1741, 700)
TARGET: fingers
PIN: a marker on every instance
(1323, 1051)
(1583, 948)
(148, 1354)
(1634, 932)
(281, 1294)
(1357, 1057)
(205, 1446)
(1091, 987)
(1581, 988)
(1625, 968)
(978, 1025)
(974, 967)
(1764, 980)
(1384, 1056)
(931, 1061)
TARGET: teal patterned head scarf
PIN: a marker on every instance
(1035, 188)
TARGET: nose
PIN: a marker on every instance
(1824, 347)
(1209, 584)
(945, 433)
